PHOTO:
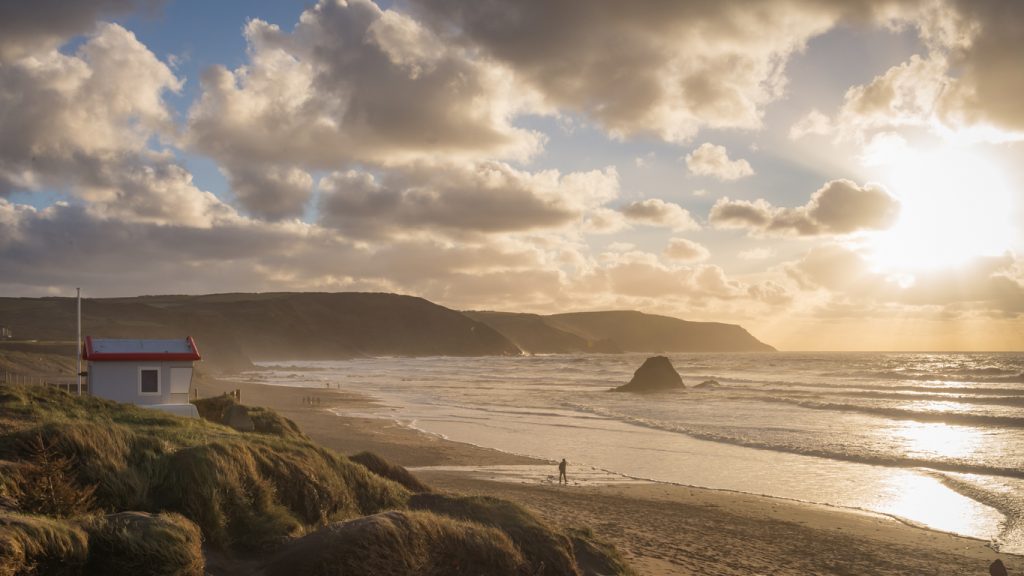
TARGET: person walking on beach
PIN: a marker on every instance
(561, 472)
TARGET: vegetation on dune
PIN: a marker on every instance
(125, 543)
(141, 543)
(550, 551)
(127, 490)
(400, 542)
(243, 490)
(41, 545)
(382, 467)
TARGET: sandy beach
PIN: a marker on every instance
(660, 528)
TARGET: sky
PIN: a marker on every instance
(830, 174)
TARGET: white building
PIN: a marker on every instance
(151, 373)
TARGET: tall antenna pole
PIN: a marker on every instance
(78, 348)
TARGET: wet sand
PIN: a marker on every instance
(660, 528)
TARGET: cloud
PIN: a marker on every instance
(42, 25)
(353, 84)
(905, 95)
(84, 124)
(992, 285)
(657, 212)
(490, 197)
(633, 273)
(65, 245)
(990, 80)
(838, 207)
(644, 68)
(271, 192)
(760, 253)
(966, 85)
(814, 122)
(713, 160)
(684, 250)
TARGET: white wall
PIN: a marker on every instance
(119, 381)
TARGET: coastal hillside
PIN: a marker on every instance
(534, 335)
(618, 331)
(233, 330)
(638, 332)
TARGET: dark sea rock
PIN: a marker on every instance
(708, 384)
(656, 375)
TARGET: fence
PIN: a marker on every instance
(18, 379)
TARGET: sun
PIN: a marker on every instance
(955, 205)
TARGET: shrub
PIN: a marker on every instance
(47, 483)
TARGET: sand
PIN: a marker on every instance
(660, 528)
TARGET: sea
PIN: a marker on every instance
(932, 439)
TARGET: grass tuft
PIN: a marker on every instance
(401, 543)
(385, 469)
(548, 552)
(141, 543)
(40, 545)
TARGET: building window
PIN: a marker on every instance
(149, 380)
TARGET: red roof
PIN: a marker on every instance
(124, 350)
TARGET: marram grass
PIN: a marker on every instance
(138, 491)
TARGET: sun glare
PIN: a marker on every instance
(955, 205)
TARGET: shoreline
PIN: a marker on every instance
(661, 528)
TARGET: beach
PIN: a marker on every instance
(660, 528)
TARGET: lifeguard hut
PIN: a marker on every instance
(150, 373)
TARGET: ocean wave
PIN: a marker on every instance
(914, 415)
(1006, 502)
(894, 461)
(902, 388)
(989, 374)
(952, 396)
(875, 460)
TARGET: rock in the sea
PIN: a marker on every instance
(237, 416)
(708, 384)
(655, 375)
(997, 568)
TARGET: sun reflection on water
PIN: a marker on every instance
(926, 500)
(936, 439)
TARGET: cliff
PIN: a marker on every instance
(233, 330)
(617, 331)
(638, 332)
(534, 335)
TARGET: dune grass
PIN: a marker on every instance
(270, 493)
(40, 545)
(243, 490)
(549, 551)
(140, 543)
(402, 542)
(382, 467)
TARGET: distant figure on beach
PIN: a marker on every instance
(997, 568)
(561, 472)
